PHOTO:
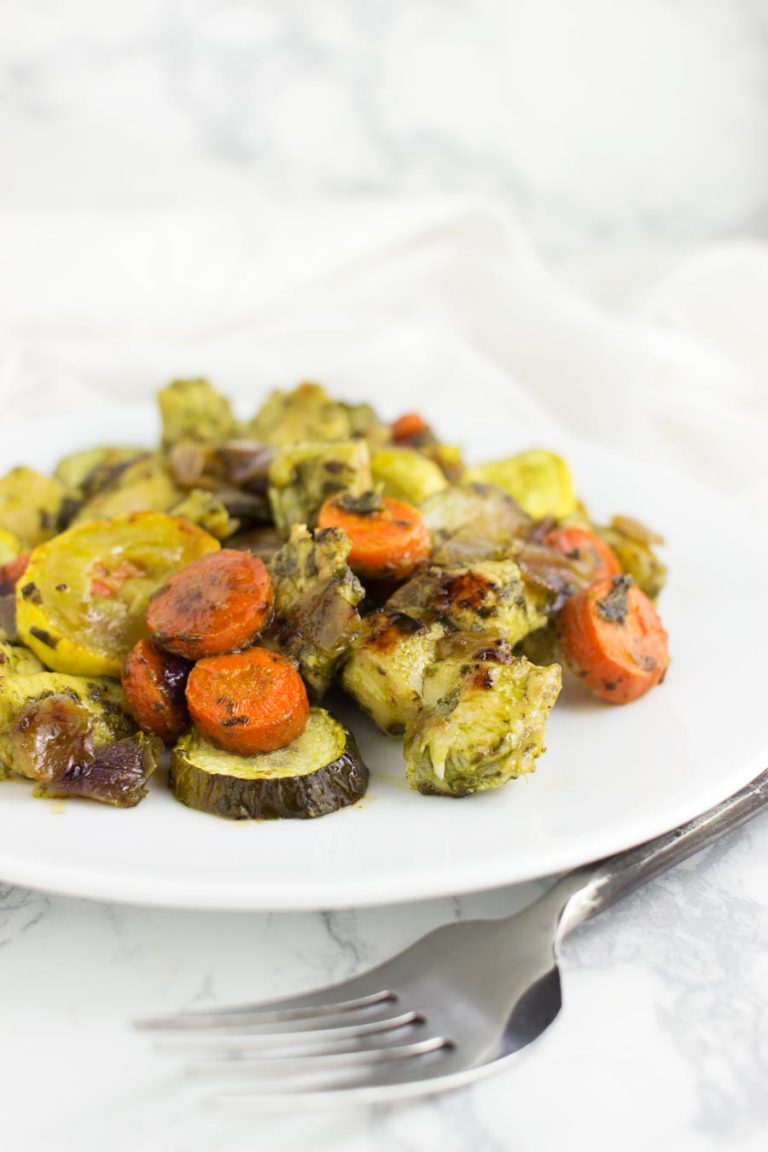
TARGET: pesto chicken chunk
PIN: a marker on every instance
(481, 723)
(316, 597)
(472, 521)
(207, 511)
(385, 669)
(489, 595)
(194, 410)
(308, 413)
(303, 477)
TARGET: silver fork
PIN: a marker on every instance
(454, 1006)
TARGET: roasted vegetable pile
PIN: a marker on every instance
(206, 595)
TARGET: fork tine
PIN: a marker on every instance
(296, 1009)
(335, 1086)
(247, 1039)
(310, 1062)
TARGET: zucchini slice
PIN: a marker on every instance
(320, 771)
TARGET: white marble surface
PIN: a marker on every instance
(662, 1043)
(617, 126)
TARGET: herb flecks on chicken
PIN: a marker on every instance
(316, 597)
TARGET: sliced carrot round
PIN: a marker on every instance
(409, 426)
(612, 638)
(247, 702)
(389, 538)
(216, 604)
(154, 684)
(579, 543)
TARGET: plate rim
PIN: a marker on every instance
(79, 883)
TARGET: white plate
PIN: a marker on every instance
(611, 776)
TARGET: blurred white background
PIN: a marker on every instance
(602, 123)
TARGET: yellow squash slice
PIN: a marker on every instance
(30, 505)
(10, 546)
(539, 481)
(82, 602)
(406, 474)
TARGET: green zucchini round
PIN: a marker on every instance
(315, 774)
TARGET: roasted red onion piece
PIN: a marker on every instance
(238, 463)
(188, 462)
(554, 572)
(244, 463)
(53, 743)
(117, 775)
(235, 471)
(470, 646)
(10, 574)
(263, 541)
(636, 530)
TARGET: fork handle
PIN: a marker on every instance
(590, 890)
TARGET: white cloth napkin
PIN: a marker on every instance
(405, 297)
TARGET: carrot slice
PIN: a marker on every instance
(247, 702)
(611, 636)
(154, 684)
(580, 543)
(409, 426)
(218, 603)
(389, 538)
